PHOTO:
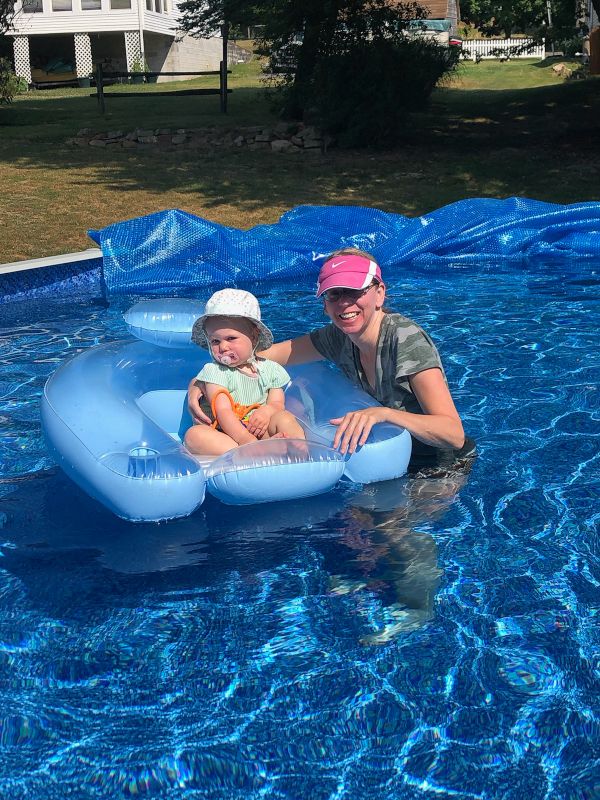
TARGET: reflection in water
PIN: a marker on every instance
(365, 542)
(386, 555)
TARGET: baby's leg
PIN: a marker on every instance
(285, 423)
(206, 441)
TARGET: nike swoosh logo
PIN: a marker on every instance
(339, 264)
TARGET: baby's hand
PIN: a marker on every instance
(258, 424)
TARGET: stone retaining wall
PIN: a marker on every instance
(283, 138)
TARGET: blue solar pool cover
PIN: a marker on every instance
(173, 250)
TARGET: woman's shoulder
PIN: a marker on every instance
(409, 344)
(402, 329)
(396, 321)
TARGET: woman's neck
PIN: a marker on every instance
(366, 340)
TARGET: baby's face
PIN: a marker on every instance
(231, 341)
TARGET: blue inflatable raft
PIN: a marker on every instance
(114, 418)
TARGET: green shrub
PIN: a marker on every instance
(139, 64)
(362, 96)
(571, 46)
(10, 84)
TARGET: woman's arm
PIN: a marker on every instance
(300, 350)
(439, 425)
(194, 397)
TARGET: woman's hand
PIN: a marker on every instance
(194, 397)
(355, 426)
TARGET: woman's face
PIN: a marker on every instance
(231, 341)
(352, 310)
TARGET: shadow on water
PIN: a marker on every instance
(67, 549)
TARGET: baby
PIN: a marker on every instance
(243, 393)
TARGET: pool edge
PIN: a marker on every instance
(78, 273)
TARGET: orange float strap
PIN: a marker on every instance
(239, 410)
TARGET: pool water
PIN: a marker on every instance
(414, 639)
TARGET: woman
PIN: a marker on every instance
(388, 355)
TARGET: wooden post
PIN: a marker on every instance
(223, 68)
(595, 51)
(100, 88)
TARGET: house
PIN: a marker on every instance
(443, 9)
(65, 39)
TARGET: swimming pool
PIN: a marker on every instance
(406, 640)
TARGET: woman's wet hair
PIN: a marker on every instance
(351, 251)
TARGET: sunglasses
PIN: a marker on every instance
(333, 295)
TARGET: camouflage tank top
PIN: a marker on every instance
(403, 349)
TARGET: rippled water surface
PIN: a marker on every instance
(414, 639)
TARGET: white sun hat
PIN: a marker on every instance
(232, 303)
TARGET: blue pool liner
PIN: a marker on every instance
(81, 279)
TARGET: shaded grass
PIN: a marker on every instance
(537, 142)
(53, 115)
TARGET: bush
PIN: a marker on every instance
(362, 96)
(10, 84)
(571, 46)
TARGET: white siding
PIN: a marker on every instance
(160, 23)
(75, 21)
(163, 48)
(86, 22)
(94, 21)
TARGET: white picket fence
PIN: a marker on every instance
(500, 48)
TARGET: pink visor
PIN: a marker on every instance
(347, 271)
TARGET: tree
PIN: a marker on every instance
(543, 18)
(505, 17)
(7, 10)
(323, 28)
(8, 83)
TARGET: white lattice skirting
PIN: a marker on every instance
(133, 49)
(83, 55)
(21, 53)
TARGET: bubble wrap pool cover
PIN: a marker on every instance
(174, 250)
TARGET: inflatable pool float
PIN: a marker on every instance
(115, 415)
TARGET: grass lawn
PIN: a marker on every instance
(493, 130)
